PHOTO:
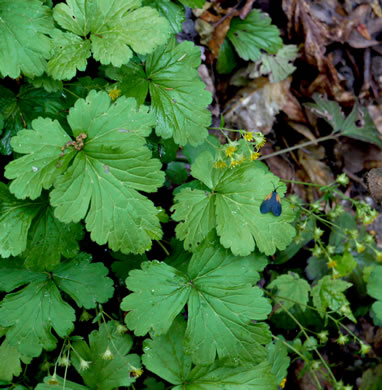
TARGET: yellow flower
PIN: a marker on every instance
(230, 150)
(283, 382)
(332, 264)
(360, 247)
(220, 164)
(136, 372)
(254, 156)
(114, 93)
(234, 163)
(378, 254)
(248, 136)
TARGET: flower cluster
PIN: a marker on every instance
(234, 153)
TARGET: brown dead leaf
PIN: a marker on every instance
(280, 166)
(255, 106)
(365, 26)
(219, 34)
(375, 112)
(317, 170)
(357, 155)
(293, 109)
(315, 32)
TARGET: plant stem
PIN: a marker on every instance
(299, 146)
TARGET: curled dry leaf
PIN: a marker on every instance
(256, 106)
(318, 171)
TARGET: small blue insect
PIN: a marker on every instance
(272, 203)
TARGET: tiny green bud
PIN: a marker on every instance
(315, 207)
(84, 365)
(107, 355)
(342, 339)
(323, 336)
(342, 179)
(316, 364)
(365, 348)
(317, 251)
(317, 233)
(121, 329)
(64, 362)
(359, 247)
(53, 380)
(331, 249)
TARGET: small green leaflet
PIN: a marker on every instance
(358, 124)
(178, 97)
(18, 110)
(30, 227)
(46, 82)
(278, 357)
(106, 174)
(24, 46)
(374, 290)
(279, 66)
(221, 303)
(111, 31)
(232, 206)
(63, 383)
(328, 293)
(293, 288)
(106, 374)
(253, 34)
(10, 359)
(166, 356)
(171, 10)
(193, 3)
(32, 312)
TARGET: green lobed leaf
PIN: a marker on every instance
(226, 59)
(165, 356)
(193, 3)
(232, 206)
(46, 82)
(24, 42)
(10, 359)
(173, 11)
(358, 124)
(49, 239)
(19, 110)
(106, 374)
(178, 97)
(292, 287)
(328, 293)
(16, 217)
(278, 357)
(83, 281)
(113, 164)
(32, 312)
(70, 53)
(279, 65)
(126, 263)
(253, 34)
(221, 303)
(374, 290)
(111, 31)
(39, 168)
(29, 227)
